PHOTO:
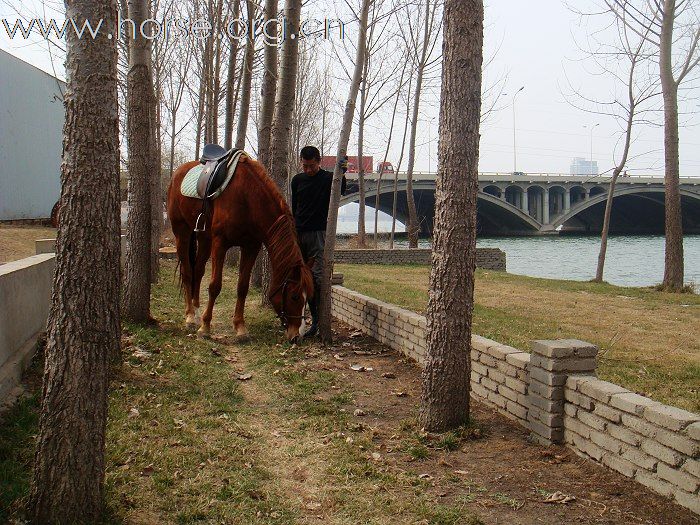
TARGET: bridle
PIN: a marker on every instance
(282, 315)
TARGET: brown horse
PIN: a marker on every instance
(249, 213)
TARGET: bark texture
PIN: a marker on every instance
(141, 124)
(324, 324)
(445, 398)
(83, 327)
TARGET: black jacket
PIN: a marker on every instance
(311, 197)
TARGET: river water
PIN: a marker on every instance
(631, 260)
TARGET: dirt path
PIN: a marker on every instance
(499, 477)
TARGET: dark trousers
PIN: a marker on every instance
(312, 244)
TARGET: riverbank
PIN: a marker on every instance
(649, 341)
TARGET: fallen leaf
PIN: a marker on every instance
(356, 333)
(389, 375)
(134, 412)
(245, 377)
(216, 352)
(425, 476)
(398, 394)
(359, 412)
(313, 506)
(376, 456)
(338, 357)
(357, 368)
(559, 497)
(140, 353)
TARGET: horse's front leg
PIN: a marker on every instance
(218, 252)
(248, 255)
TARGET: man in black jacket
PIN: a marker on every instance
(311, 194)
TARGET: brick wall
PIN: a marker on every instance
(486, 258)
(554, 393)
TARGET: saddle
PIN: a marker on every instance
(219, 166)
(215, 160)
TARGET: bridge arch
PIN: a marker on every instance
(492, 189)
(495, 211)
(652, 194)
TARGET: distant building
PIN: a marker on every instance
(31, 139)
(581, 166)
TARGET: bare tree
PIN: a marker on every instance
(627, 61)
(386, 151)
(143, 158)
(247, 80)
(268, 89)
(329, 249)
(230, 83)
(445, 399)
(268, 92)
(397, 168)
(656, 21)
(83, 327)
(421, 46)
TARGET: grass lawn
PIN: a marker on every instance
(649, 341)
(17, 242)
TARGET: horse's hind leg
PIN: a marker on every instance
(248, 255)
(203, 253)
(182, 244)
(218, 253)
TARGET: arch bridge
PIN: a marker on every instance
(535, 204)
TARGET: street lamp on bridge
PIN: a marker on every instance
(515, 162)
(590, 166)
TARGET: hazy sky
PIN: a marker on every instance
(536, 44)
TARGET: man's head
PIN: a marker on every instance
(310, 160)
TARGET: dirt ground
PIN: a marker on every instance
(504, 477)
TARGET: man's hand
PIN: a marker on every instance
(343, 164)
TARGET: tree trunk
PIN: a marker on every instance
(445, 399)
(142, 157)
(412, 227)
(83, 327)
(386, 154)
(244, 110)
(230, 81)
(361, 234)
(673, 267)
(397, 169)
(284, 109)
(268, 93)
(324, 325)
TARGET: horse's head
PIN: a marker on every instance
(289, 298)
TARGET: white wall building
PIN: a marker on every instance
(31, 135)
(581, 166)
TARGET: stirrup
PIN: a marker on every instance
(203, 220)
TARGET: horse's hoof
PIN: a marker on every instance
(203, 334)
(190, 326)
(243, 338)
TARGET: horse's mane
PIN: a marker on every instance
(283, 245)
